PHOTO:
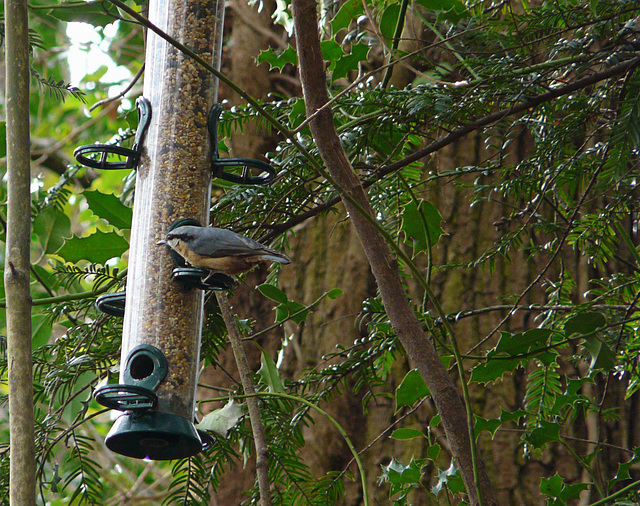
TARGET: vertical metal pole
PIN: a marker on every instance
(173, 182)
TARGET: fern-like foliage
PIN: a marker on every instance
(189, 484)
(84, 477)
(58, 88)
(543, 386)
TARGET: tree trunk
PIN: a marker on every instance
(17, 264)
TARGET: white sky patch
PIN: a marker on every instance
(89, 51)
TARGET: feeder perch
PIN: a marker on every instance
(86, 154)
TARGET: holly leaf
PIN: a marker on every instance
(584, 323)
(388, 22)
(601, 355)
(492, 369)
(517, 344)
(349, 11)
(359, 52)
(109, 208)
(278, 59)
(547, 431)
(411, 389)
(96, 248)
(447, 10)
(414, 218)
(51, 226)
(331, 52)
(273, 292)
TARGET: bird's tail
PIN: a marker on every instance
(276, 256)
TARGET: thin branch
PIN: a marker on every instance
(452, 137)
(332, 420)
(69, 297)
(530, 103)
(376, 244)
(122, 93)
(257, 427)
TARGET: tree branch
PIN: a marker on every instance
(384, 266)
(452, 137)
(262, 452)
(532, 102)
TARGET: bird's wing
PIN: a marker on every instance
(218, 242)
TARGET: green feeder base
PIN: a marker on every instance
(154, 435)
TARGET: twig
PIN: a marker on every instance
(122, 93)
(262, 462)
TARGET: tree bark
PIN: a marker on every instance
(383, 265)
(16, 273)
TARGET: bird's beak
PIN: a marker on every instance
(160, 243)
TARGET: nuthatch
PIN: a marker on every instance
(220, 250)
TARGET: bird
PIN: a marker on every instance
(220, 250)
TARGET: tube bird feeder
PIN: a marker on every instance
(175, 152)
(163, 319)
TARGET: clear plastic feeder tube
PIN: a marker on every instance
(173, 182)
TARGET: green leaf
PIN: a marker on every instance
(270, 375)
(414, 218)
(433, 452)
(331, 52)
(40, 330)
(273, 292)
(3, 139)
(552, 486)
(491, 425)
(297, 114)
(109, 208)
(397, 473)
(51, 226)
(278, 59)
(402, 434)
(601, 355)
(96, 248)
(623, 469)
(388, 22)
(359, 52)
(222, 420)
(448, 10)
(518, 344)
(493, 369)
(349, 11)
(556, 487)
(284, 311)
(95, 14)
(335, 293)
(547, 431)
(411, 389)
(585, 323)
